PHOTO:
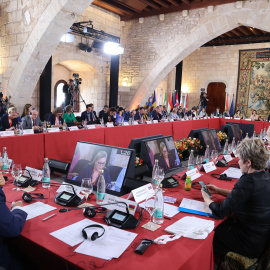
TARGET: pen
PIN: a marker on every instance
(167, 217)
(48, 217)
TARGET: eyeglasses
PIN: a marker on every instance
(101, 163)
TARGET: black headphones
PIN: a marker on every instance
(95, 235)
(92, 211)
(28, 197)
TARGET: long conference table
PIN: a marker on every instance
(30, 150)
(50, 253)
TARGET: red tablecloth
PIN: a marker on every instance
(27, 150)
(51, 253)
(214, 123)
(181, 129)
(61, 145)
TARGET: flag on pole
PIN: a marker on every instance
(231, 109)
(176, 100)
(150, 101)
(184, 105)
(165, 100)
(181, 101)
(227, 102)
(170, 105)
(154, 99)
(187, 100)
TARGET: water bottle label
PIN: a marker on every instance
(191, 167)
(45, 180)
(155, 182)
(158, 213)
(225, 152)
(100, 196)
(5, 166)
(206, 160)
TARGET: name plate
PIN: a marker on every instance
(140, 193)
(126, 124)
(121, 207)
(228, 158)
(165, 120)
(110, 125)
(209, 167)
(155, 121)
(227, 117)
(148, 122)
(171, 120)
(91, 126)
(52, 130)
(28, 131)
(35, 174)
(6, 133)
(194, 174)
(135, 123)
(73, 128)
(247, 119)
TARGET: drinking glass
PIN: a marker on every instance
(149, 206)
(48, 124)
(16, 171)
(229, 149)
(87, 187)
(159, 174)
(214, 155)
(199, 161)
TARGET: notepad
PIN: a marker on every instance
(195, 207)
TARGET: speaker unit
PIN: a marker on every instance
(58, 166)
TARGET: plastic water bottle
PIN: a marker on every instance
(5, 165)
(102, 122)
(101, 188)
(85, 124)
(46, 175)
(154, 180)
(207, 154)
(64, 125)
(225, 151)
(122, 121)
(261, 134)
(45, 127)
(254, 134)
(233, 144)
(247, 136)
(20, 131)
(191, 160)
(158, 216)
(264, 134)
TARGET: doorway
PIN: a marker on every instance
(216, 92)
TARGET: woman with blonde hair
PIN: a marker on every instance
(9, 120)
(247, 206)
(55, 118)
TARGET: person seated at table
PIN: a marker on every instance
(129, 115)
(93, 169)
(247, 206)
(192, 112)
(55, 118)
(226, 113)
(119, 116)
(161, 112)
(32, 120)
(103, 112)
(89, 115)
(180, 113)
(173, 114)
(140, 114)
(217, 112)
(11, 225)
(26, 110)
(165, 110)
(237, 115)
(110, 118)
(147, 110)
(202, 113)
(165, 160)
(156, 114)
(69, 116)
(254, 116)
(10, 120)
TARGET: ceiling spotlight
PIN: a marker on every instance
(85, 47)
(88, 30)
(113, 48)
(67, 38)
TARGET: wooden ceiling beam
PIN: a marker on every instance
(117, 5)
(244, 30)
(236, 32)
(120, 12)
(124, 5)
(254, 31)
(150, 4)
(173, 2)
(162, 3)
(187, 2)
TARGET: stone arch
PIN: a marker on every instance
(43, 40)
(207, 29)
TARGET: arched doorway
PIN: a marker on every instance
(216, 92)
(59, 96)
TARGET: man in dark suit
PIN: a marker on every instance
(11, 225)
(111, 117)
(33, 120)
(156, 114)
(90, 115)
(130, 114)
(10, 120)
(104, 111)
(140, 114)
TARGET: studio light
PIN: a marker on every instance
(113, 48)
(85, 47)
(68, 38)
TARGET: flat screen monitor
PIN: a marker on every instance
(236, 133)
(209, 137)
(216, 142)
(136, 143)
(162, 149)
(90, 158)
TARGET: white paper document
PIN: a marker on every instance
(209, 167)
(233, 173)
(111, 245)
(192, 227)
(228, 158)
(141, 193)
(169, 210)
(37, 209)
(195, 205)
